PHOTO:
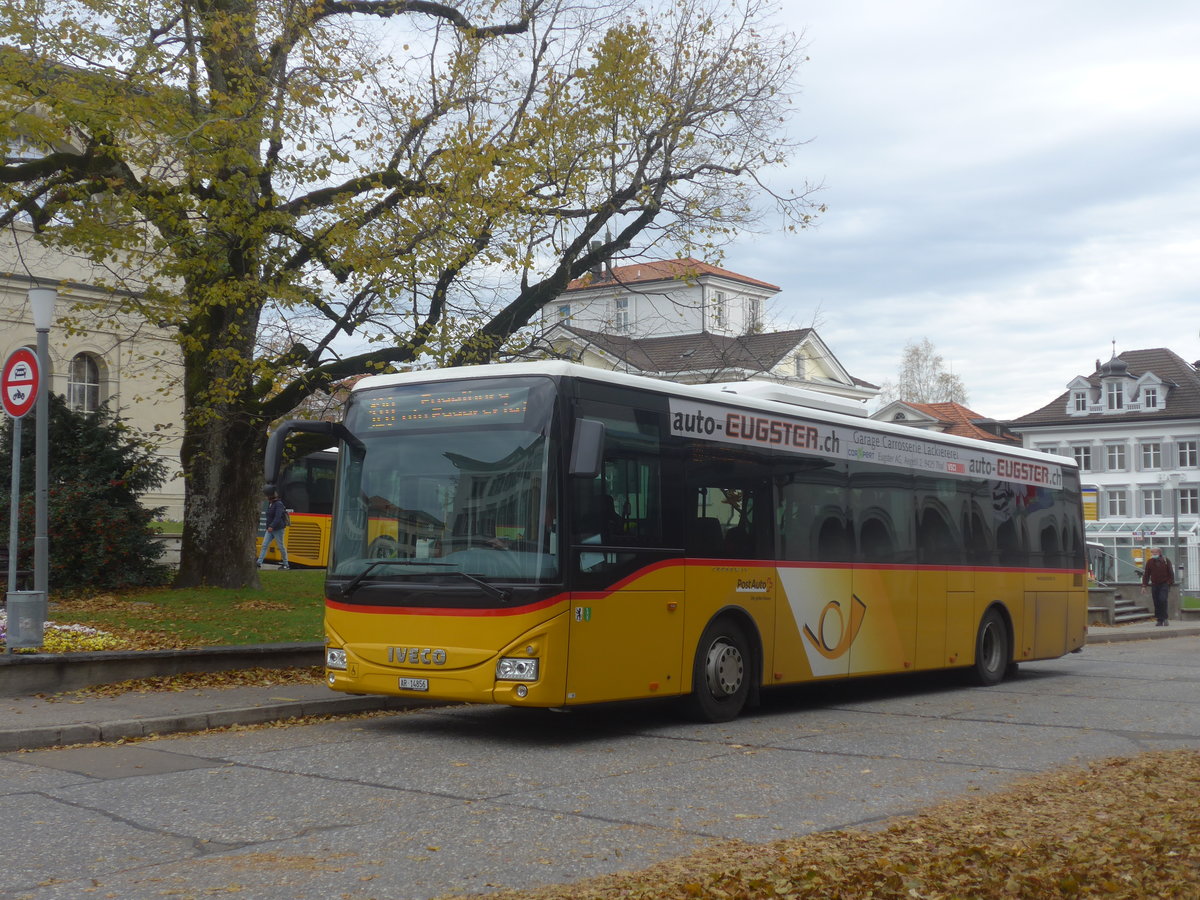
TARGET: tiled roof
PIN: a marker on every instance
(688, 269)
(960, 421)
(1183, 398)
(697, 352)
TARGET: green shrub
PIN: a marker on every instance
(100, 536)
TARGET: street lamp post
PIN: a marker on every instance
(1174, 478)
(42, 301)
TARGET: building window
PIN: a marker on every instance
(1080, 401)
(1118, 503)
(1083, 456)
(1114, 458)
(1150, 398)
(621, 313)
(1187, 454)
(564, 313)
(83, 383)
(754, 315)
(1115, 391)
(1189, 501)
(1152, 504)
(1152, 455)
(718, 308)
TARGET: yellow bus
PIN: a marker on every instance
(562, 535)
(306, 489)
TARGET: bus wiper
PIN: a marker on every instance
(490, 589)
(358, 579)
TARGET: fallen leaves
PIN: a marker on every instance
(1121, 829)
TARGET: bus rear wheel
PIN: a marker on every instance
(992, 649)
(721, 672)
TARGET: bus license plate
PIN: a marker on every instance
(414, 684)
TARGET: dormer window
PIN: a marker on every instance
(754, 315)
(1150, 398)
(621, 314)
(1115, 394)
(718, 309)
(1079, 401)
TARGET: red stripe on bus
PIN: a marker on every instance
(565, 596)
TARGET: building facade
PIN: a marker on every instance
(946, 418)
(661, 298)
(1133, 425)
(686, 321)
(96, 354)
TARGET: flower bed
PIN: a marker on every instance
(65, 638)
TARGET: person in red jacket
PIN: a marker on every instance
(1159, 575)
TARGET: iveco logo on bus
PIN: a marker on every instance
(417, 656)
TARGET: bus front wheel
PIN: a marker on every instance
(992, 650)
(721, 672)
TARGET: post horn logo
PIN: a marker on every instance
(849, 630)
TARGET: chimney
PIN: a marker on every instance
(597, 269)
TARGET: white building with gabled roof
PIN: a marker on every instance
(690, 322)
(1133, 426)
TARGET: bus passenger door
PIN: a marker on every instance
(626, 642)
(627, 600)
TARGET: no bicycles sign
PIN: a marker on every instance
(19, 385)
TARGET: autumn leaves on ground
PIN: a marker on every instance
(1122, 828)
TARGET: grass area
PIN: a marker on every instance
(168, 526)
(287, 608)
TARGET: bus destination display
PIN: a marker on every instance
(446, 408)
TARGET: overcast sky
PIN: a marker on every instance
(1019, 182)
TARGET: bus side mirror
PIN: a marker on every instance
(587, 452)
(273, 460)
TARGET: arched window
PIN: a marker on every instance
(83, 383)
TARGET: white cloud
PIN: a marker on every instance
(1020, 183)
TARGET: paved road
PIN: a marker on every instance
(421, 803)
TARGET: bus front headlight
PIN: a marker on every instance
(512, 668)
(335, 658)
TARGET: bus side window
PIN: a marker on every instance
(623, 504)
(875, 540)
(884, 519)
(814, 521)
(726, 523)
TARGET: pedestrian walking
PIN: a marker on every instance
(1159, 575)
(277, 522)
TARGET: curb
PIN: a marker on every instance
(25, 674)
(42, 737)
(1117, 634)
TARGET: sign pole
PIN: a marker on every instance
(14, 510)
(20, 384)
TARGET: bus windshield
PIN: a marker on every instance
(454, 480)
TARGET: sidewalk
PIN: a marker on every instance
(30, 723)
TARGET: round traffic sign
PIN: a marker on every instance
(19, 385)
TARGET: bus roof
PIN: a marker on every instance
(757, 395)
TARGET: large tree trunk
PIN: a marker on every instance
(223, 444)
(222, 497)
